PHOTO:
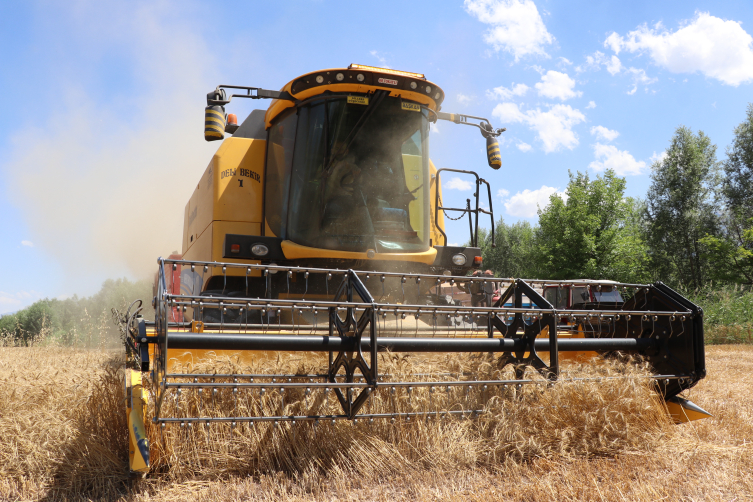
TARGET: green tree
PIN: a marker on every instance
(630, 255)
(738, 168)
(681, 208)
(579, 235)
(730, 254)
(515, 252)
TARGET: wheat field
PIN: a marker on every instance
(64, 438)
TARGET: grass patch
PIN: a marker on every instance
(727, 313)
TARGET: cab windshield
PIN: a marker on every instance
(359, 176)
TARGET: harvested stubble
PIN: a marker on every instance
(62, 423)
(568, 442)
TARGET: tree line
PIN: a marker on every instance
(74, 321)
(694, 228)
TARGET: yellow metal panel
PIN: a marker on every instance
(138, 453)
(201, 247)
(239, 180)
(186, 236)
(200, 207)
(436, 237)
(293, 251)
(414, 178)
(682, 410)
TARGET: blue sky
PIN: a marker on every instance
(101, 132)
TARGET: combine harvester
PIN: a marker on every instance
(317, 232)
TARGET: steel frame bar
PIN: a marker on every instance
(443, 278)
(342, 344)
(438, 383)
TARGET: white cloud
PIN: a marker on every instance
(556, 85)
(564, 62)
(433, 128)
(717, 48)
(524, 147)
(502, 193)
(614, 42)
(554, 126)
(458, 184)
(505, 93)
(591, 104)
(658, 157)
(516, 26)
(639, 78)
(27, 243)
(382, 60)
(620, 161)
(593, 62)
(525, 204)
(614, 66)
(603, 133)
(463, 99)
(598, 59)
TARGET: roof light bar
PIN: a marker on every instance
(387, 70)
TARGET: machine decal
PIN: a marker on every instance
(247, 173)
(387, 81)
(413, 107)
(358, 100)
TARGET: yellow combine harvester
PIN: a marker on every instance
(318, 229)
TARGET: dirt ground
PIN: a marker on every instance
(64, 438)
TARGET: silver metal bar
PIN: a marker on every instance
(261, 303)
(438, 383)
(296, 418)
(443, 278)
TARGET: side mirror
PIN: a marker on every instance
(492, 152)
(214, 117)
(493, 155)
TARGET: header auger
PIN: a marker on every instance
(298, 292)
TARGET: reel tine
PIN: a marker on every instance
(248, 314)
(267, 279)
(434, 322)
(248, 272)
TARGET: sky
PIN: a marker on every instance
(101, 132)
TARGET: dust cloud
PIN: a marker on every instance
(103, 180)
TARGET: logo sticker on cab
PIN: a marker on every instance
(387, 81)
(414, 107)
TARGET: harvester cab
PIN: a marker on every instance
(315, 242)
